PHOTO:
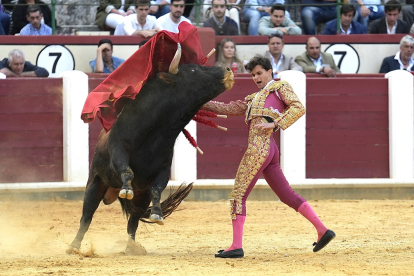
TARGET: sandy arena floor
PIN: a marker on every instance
(373, 238)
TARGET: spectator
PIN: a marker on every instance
(369, 10)
(159, 8)
(16, 66)
(4, 23)
(104, 61)
(313, 15)
(139, 24)
(348, 26)
(111, 13)
(227, 55)
(170, 21)
(8, 6)
(408, 12)
(220, 23)
(256, 9)
(233, 10)
(314, 61)
(279, 61)
(35, 27)
(390, 24)
(19, 15)
(402, 60)
(278, 23)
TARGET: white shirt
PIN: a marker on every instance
(410, 64)
(393, 28)
(275, 66)
(131, 24)
(167, 24)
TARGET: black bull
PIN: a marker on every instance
(132, 161)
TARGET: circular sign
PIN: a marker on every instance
(56, 59)
(345, 57)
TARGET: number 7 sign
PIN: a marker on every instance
(56, 59)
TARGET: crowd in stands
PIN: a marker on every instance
(265, 17)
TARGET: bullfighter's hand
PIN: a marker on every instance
(264, 126)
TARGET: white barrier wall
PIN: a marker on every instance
(75, 131)
(293, 139)
(400, 102)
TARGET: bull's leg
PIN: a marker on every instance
(120, 163)
(93, 195)
(158, 186)
(141, 203)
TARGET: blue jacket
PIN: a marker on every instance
(390, 64)
(116, 61)
(330, 28)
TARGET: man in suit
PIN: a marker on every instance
(390, 24)
(348, 26)
(279, 61)
(402, 60)
(313, 61)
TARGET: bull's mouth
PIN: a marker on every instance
(228, 79)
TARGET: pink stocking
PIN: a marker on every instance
(237, 232)
(306, 211)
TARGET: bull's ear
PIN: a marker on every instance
(168, 78)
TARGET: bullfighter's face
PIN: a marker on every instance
(261, 76)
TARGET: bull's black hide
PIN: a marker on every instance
(132, 161)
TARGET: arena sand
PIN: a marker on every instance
(373, 238)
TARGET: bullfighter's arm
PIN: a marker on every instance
(294, 109)
(236, 108)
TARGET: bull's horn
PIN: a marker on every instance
(175, 61)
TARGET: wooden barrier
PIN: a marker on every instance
(347, 130)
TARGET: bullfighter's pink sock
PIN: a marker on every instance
(238, 224)
(306, 211)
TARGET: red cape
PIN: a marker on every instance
(106, 100)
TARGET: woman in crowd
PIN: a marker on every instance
(112, 12)
(274, 106)
(19, 19)
(227, 55)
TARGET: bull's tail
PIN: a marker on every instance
(168, 206)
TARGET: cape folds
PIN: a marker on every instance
(106, 100)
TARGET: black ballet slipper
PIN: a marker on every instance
(236, 253)
(326, 238)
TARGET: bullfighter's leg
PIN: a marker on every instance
(159, 185)
(120, 164)
(94, 193)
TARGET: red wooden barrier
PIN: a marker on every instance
(347, 128)
(31, 130)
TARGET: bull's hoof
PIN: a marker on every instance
(71, 250)
(128, 194)
(157, 219)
